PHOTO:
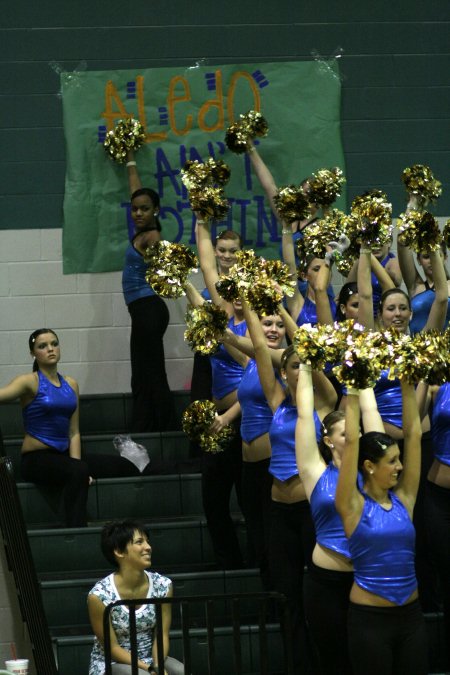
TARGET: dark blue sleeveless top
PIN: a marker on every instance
(440, 424)
(256, 414)
(309, 312)
(133, 277)
(47, 416)
(327, 522)
(421, 305)
(226, 372)
(388, 395)
(283, 464)
(382, 549)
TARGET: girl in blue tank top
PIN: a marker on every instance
(291, 534)
(51, 448)
(328, 584)
(386, 627)
(437, 499)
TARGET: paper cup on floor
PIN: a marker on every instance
(17, 666)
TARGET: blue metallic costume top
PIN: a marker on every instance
(256, 414)
(440, 424)
(421, 306)
(226, 372)
(47, 416)
(308, 313)
(133, 276)
(327, 522)
(388, 395)
(382, 549)
(283, 464)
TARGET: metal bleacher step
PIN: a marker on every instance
(178, 546)
(149, 498)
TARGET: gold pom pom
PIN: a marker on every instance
(169, 266)
(262, 282)
(205, 327)
(325, 186)
(292, 203)
(209, 202)
(419, 180)
(363, 357)
(128, 134)
(196, 422)
(420, 231)
(249, 126)
(373, 213)
(317, 345)
(196, 175)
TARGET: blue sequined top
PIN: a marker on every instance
(283, 464)
(133, 277)
(382, 549)
(226, 372)
(256, 414)
(327, 522)
(421, 306)
(47, 416)
(440, 424)
(388, 395)
(308, 313)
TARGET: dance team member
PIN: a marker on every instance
(222, 471)
(422, 291)
(153, 407)
(291, 535)
(437, 498)
(51, 448)
(126, 547)
(386, 628)
(330, 575)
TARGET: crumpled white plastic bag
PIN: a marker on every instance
(132, 451)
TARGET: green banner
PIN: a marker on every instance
(185, 112)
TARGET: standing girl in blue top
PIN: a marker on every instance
(153, 407)
(386, 627)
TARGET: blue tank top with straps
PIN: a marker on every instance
(47, 416)
(226, 372)
(327, 522)
(283, 463)
(256, 414)
(382, 549)
(133, 277)
(440, 424)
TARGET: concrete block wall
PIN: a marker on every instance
(86, 310)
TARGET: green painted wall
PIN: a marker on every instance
(395, 67)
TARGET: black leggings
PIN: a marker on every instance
(220, 473)
(437, 513)
(292, 539)
(387, 640)
(256, 502)
(326, 597)
(52, 468)
(153, 406)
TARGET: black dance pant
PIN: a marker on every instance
(52, 468)
(256, 501)
(201, 385)
(153, 407)
(291, 543)
(326, 598)
(437, 511)
(387, 640)
(221, 472)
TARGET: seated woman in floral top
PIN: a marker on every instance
(126, 546)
